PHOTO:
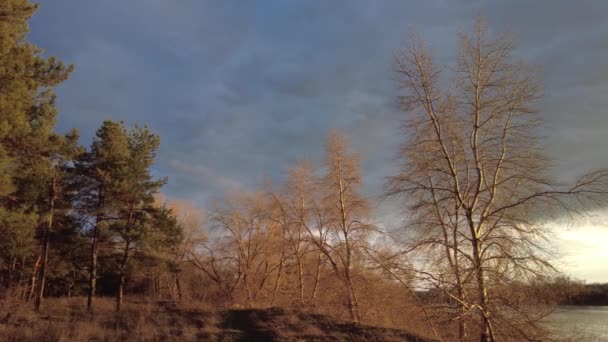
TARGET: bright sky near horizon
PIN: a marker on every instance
(582, 243)
(237, 90)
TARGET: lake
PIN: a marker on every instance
(585, 323)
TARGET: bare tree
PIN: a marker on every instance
(304, 208)
(217, 264)
(251, 235)
(191, 219)
(476, 180)
(340, 228)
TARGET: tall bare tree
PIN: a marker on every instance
(191, 219)
(250, 234)
(341, 230)
(302, 208)
(476, 179)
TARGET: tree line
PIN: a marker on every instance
(474, 184)
(59, 201)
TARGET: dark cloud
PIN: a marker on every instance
(238, 90)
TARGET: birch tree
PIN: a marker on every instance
(341, 230)
(476, 180)
(302, 206)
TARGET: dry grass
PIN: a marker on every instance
(143, 320)
(67, 320)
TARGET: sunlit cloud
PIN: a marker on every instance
(582, 243)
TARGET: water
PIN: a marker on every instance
(584, 323)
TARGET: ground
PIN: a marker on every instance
(67, 320)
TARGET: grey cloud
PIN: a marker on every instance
(237, 90)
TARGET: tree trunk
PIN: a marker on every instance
(21, 289)
(35, 272)
(93, 269)
(353, 304)
(277, 281)
(486, 332)
(123, 273)
(315, 287)
(462, 326)
(229, 297)
(178, 286)
(300, 278)
(248, 290)
(94, 251)
(125, 259)
(46, 238)
(10, 276)
(41, 280)
(157, 284)
(71, 285)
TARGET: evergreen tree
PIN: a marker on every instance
(101, 174)
(27, 102)
(135, 202)
(116, 192)
(27, 142)
(53, 201)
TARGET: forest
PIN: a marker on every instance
(86, 223)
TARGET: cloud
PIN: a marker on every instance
(202, 180)
(582, 243)
(238, 90)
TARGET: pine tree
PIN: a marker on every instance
(53, 200)
(136, 199)
(27, 102)
(100, 180)
(116, 192)
(27, 142)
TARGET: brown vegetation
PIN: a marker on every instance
(142, 320)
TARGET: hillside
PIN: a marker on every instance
(165, 321)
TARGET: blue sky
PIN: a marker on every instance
(238, 90)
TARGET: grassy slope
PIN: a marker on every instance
(144, 321)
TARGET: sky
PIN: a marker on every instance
(239, 90)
